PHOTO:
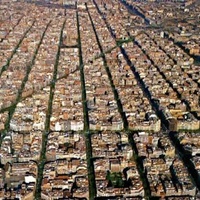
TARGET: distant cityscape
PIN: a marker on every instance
(100, 99)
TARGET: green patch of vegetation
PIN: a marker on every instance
(115, 179)
(188, 131)
(67, 146)
(120, 42)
